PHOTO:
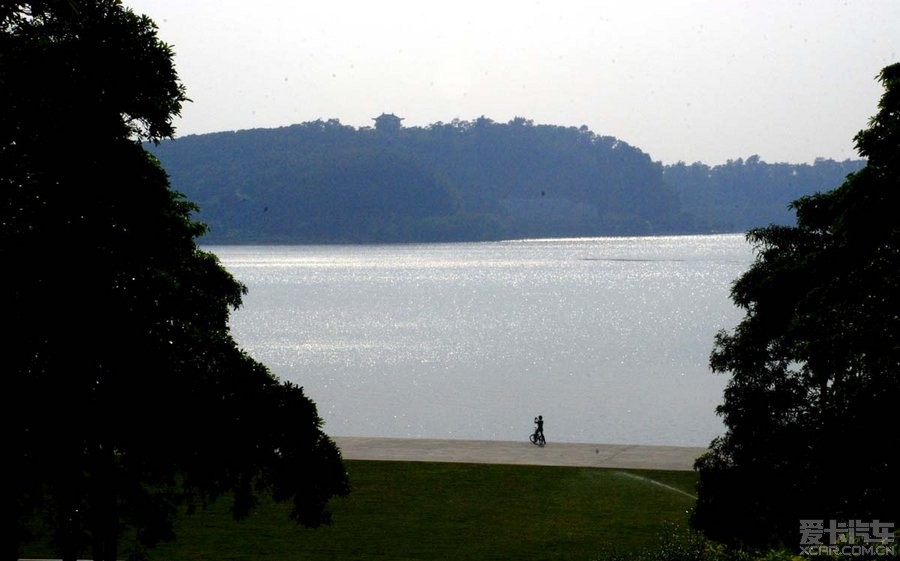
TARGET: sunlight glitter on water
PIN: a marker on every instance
(608, 338)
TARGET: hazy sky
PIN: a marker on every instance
(681, 80)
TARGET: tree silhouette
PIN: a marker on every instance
(815, 363)
(124, 394)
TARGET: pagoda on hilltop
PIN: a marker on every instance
(388, 123)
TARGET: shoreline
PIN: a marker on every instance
(622, 456)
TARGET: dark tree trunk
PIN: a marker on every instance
(104, 506)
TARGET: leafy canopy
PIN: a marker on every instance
(815, 363)
(125, 393)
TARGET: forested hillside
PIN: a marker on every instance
(324, 182)
(744, 194)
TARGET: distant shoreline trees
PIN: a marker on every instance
(324, 182)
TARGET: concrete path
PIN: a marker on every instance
(676, 458)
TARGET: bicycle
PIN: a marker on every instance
(537, 439)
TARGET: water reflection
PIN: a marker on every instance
(608, 338)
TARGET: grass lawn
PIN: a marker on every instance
(411, 510)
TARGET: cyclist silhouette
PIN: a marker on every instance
(538, 436)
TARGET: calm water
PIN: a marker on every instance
(607, 338)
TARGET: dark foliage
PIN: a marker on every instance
(815, 364)
(124, 391)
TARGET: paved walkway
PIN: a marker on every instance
(676, 458)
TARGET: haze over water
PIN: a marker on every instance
(607, 338)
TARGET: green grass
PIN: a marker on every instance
(410, 510)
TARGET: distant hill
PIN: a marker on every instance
(744, 194)
(324, 182)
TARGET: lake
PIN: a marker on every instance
(607, 338)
